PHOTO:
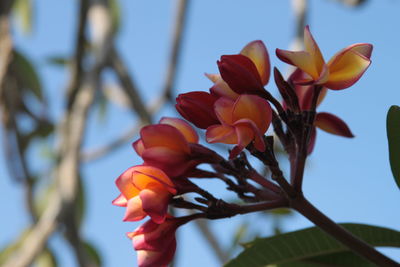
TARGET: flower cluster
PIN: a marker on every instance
(235, 111)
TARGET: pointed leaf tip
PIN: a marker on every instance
(393, 135)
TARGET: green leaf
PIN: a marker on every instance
(341, 259)
(115, 9)
(309, 244)
(93, 254)
(393, 135)
(59, 61)
(23, 10)
(26, 74)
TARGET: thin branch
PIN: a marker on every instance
(71, 136)
(158, 103)
(129, 86)
(76, 66)
(173, 62)
(6, 43)
(300, 12)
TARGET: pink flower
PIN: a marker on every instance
(172, 147)
(155, 243)
(241, 121)
(244, 73)
(145, 190)
(342, 70)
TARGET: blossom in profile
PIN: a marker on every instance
(242, 121)
(245, 73)
(166, 145)
(344, 69)
(198, 108)
(155, 243)
(145, 190)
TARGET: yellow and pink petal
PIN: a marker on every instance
(187, 131)
(220, 87)
(155, 200)
(258, 53)
(224, 133)
(120, 201)
(347, 67)
(163, 135)
(125, 185)
(173, 163)
(134, 210)
(143, 176)
(253, 108)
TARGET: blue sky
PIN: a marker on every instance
(348, 179)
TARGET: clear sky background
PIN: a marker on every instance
(348, 179)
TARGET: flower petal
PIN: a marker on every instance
(155, 201)
(134, 211)
(255, 109)
(363, 49)
(332, 124)
(120, 201)
(258, 53)
(163, 135)
(198, 108)
(312, 48)
(147, 258)
(144, 175)
(173, 163)
(221, 134)
(240, 73)
(346, 68)
(300, 59)
(125, 185)
(220, 87)
(188, 132)
(138, 146)
(223, 109)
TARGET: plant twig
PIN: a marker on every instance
(71, 136)
(173, 62)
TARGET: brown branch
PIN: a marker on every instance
(145, 113)
(66, 174)
(76, 66)
(300, 12)
(6, 43)
(129, 86)
(173, 62)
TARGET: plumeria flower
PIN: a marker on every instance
(323, 120)
(172, 146)
(155, 243)
(245, 73)
(340, 72)
(198, 108)
(145, 190)
(241, 121)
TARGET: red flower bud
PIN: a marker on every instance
(197, 107)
